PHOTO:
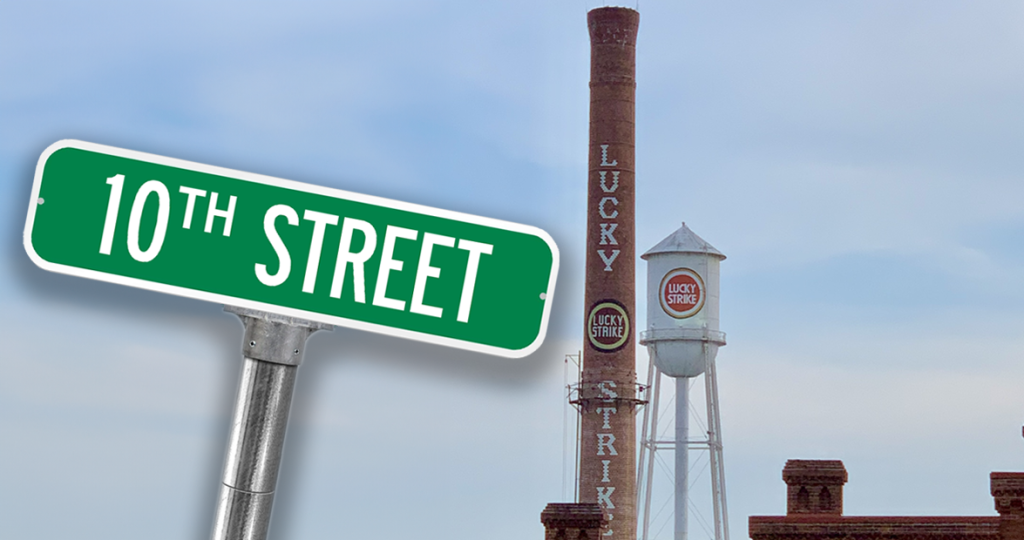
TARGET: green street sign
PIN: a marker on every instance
(294, 249)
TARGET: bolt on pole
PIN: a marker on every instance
(272, 350)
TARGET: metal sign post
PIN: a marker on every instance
(272, 348)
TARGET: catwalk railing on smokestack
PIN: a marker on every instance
(607, 394)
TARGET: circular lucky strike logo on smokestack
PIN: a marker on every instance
(681, 293)
(608, 326)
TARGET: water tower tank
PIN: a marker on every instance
(682, 304)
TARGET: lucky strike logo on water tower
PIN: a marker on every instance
(682, 293)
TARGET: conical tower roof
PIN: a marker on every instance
(683, 241)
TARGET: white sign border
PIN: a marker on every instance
(295, 186)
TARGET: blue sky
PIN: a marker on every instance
(858, 162)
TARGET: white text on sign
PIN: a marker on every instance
(346, 257)
(357, 260)
(156, 187)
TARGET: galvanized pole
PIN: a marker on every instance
(272, 350)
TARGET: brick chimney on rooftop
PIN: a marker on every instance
(573, 521)
(814, 486)
(1007, 489)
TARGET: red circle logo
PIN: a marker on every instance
(682, 293)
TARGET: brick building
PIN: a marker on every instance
(814, 511)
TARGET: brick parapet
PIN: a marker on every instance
(819, 527)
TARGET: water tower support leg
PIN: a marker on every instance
(715, 452)
(682, 456)
(645, 424)
(653, 448)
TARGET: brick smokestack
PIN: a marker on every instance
(608, 389)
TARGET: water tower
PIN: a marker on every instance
(682, 339)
